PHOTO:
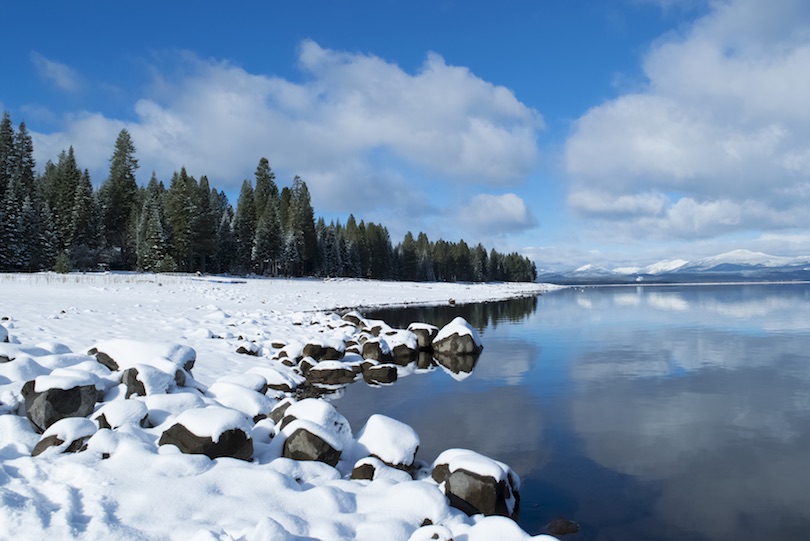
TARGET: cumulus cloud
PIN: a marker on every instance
(349, 128)
(718, 140)
(61, 75)
(496, 214)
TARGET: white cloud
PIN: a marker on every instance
(361, 131)
(62, 75)
(492, 215)
(722, 129)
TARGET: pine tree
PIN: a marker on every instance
(152, 247)
(119, 200)
(6, 152)
(182, 217)
(23, 164)
(205, 227)
(244, 227)
(266, 191)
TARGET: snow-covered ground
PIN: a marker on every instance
(127, 486)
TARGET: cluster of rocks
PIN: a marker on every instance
(357, 348)
(76, 401)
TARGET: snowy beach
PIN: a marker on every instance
(178, 337)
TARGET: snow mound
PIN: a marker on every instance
(213, 421)
(392, 441)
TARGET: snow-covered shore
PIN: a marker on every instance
(140, 490)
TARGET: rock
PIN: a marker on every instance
(213, 431)
(314, 430)
(278, 377)
(331, 373)
(118, 413)
(355, 319)
(332, 350)
(70, 435)
(144, 380)
(380, 373)
(120, 354)
(46, 404)
(477, 484)
(389, 440)
(371, 468)
(457, 337)
(248, 348)
(252, 403)
(425, 333)
(377, 349)
(302, 444)
(562, 526)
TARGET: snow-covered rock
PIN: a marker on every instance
(425, 334)
(119, 354)
(67, 435)
(458, 337)
(392, 441)
(213, 431)
(49, 399)
(119, 413)
(476, 484)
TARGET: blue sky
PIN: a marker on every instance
(574, 131)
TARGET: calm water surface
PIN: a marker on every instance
(649, 413)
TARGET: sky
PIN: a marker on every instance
(610, 132)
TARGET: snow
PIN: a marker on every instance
(126, 487)
(390, 440)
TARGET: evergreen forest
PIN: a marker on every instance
(56, 220)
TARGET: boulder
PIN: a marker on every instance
(379, 373)
(302, 444)
(252, 403)
(70, 435)
(314, 430)
(391, 441)
(142, 380)
(371, 468)
(562, 526)
(49, 399)
(213, 431)
(120, 354)
(377, 349)
(248, 348)
(331, 373)
(476, 484)
(118, 413)
(355, 318)
(425, 333)
(457, 337)
(331, 350)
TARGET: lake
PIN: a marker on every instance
(642, 413)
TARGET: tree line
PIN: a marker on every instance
(57, 220)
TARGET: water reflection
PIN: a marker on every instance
(642, 413)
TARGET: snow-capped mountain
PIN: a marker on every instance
(736, 264)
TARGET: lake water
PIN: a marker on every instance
(642, 413)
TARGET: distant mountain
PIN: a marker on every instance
(737, 265)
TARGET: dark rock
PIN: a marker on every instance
(354, 318)
(304, 445)
(474, 493)
(377, 350)
(277, 414)
(248, 348)
(382, 373)
(458, 337)
(331, 376)
(133, 384)
(104, 359)
(424, 335)
(364, 471)
(320, 352)
(232, 443)
(306, 364)
(45, 408)
(562, 526)
(54, 441)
